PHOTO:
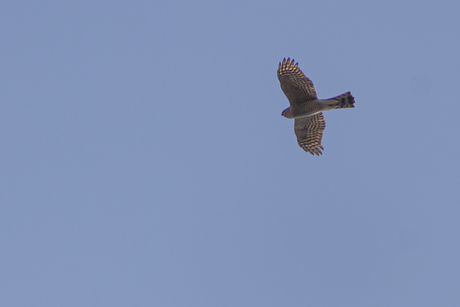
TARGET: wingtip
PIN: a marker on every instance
(288, 61)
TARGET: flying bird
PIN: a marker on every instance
(305, 107)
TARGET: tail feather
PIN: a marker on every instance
(345, 100)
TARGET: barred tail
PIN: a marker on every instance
(345, 100)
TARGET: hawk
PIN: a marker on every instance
(305, 107)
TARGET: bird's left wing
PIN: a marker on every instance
(309, 131)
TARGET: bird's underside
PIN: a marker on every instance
(306, 108)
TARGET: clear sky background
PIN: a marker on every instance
(144, 160)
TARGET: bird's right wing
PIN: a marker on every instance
(295, 85)
(309, 131)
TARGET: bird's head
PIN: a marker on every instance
(287, 113)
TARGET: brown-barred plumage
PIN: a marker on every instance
(306, 108)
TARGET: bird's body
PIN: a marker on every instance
(316, 106)
(303, 110)
(305, 107)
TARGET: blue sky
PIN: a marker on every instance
(144, 160)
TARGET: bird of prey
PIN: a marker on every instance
(305, 107)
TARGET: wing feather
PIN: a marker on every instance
(295, 85)
(309, 131)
